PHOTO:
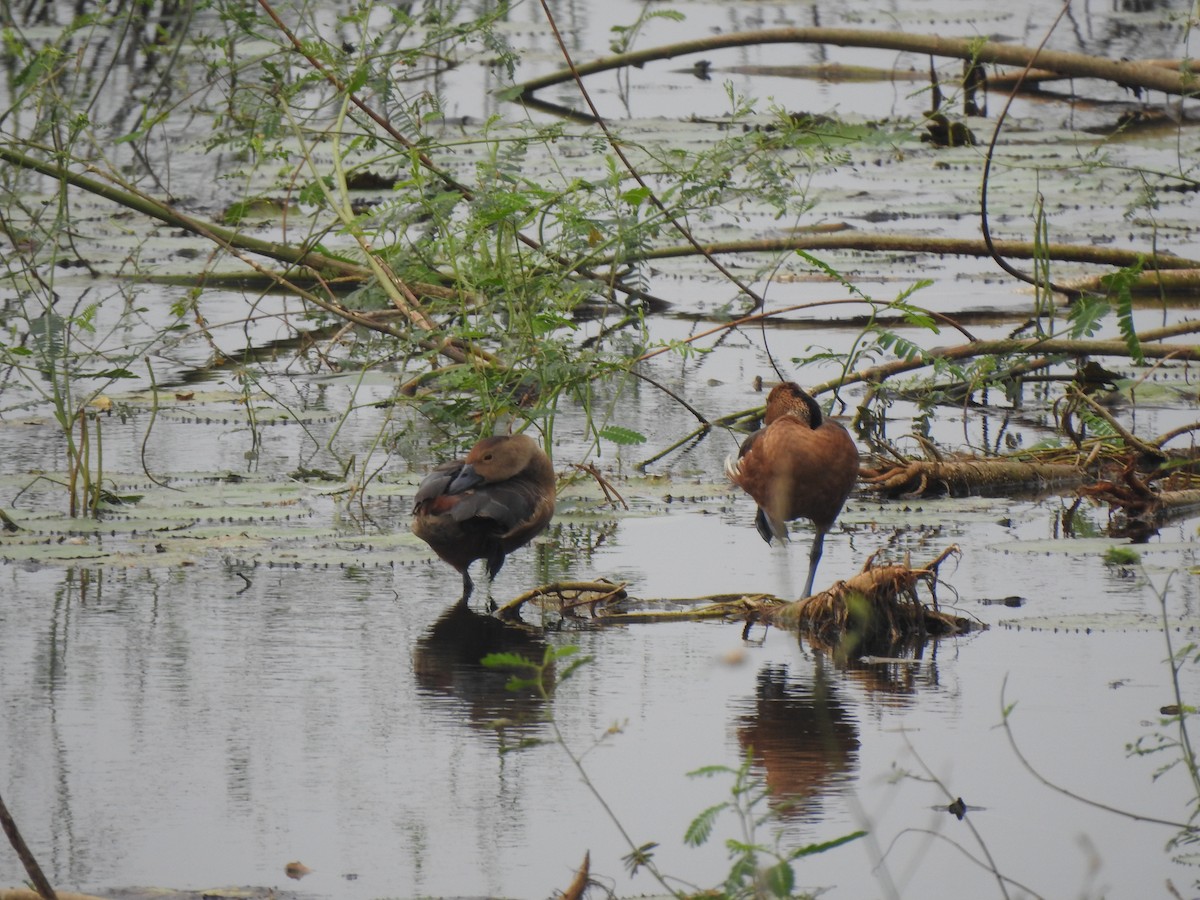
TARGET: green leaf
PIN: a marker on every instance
(1119, 286)
(507, 661)
(517, 683)
(902, 347)
(813, 849)
(623, 436)
(1121, 556)
(569, 670)
(700, 830)
(358, 79)
(743, 866)
(236, 212)
(639, 857)
(781, 879)
(636, 196)
(709, 771)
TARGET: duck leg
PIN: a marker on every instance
(814, 557)
(468, 586)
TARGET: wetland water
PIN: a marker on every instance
(250, 670)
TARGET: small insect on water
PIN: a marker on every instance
(799, 465)
(485, 506)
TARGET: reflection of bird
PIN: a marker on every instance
(798, 465)
(802, 735)
(446, 664)
(485, 506)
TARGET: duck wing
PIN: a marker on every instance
(507, 503)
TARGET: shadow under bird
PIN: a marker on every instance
(799, 465)
(485, 506)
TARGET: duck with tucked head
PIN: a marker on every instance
(799, 465)
(485, 506)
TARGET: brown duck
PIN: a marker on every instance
(485, 506)
(799, 465)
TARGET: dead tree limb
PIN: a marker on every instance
(1151, 347)
(1133, 75)
(963, 477)
(903, 243)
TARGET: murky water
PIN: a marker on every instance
(180, 729)
(205, 722)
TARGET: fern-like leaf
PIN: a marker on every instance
(623, 436)
(701, 828)
(1119, 285)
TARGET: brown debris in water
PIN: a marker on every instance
(875, 610)
(579, 884)
(1138, 501)
(296, 870)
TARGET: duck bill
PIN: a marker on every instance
(466, 479)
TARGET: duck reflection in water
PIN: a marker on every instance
(496, 500)
(446, 664)
(802, 736)
(799, 465)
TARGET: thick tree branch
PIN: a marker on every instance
(1134, 75)
(1151, 348)
(900, 243)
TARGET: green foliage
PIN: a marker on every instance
(622, 436)
(625, 35)
(542, 676)
(640, 857)
(1118, 285)
(902, 347)
(757, 869)
(1087, 315)
(1121, 557)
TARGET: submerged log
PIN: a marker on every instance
(874, 611)
(607, 603)
(1137, 500)
(963, 477)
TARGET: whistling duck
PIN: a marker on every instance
(485, 506)
(798, 465)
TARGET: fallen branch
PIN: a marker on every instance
(1137, 500)
(1163, 279)
(1134, 75)
(964, 477)
(606, 603)
(892, 243)
(879, 607)
(1151, 348)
